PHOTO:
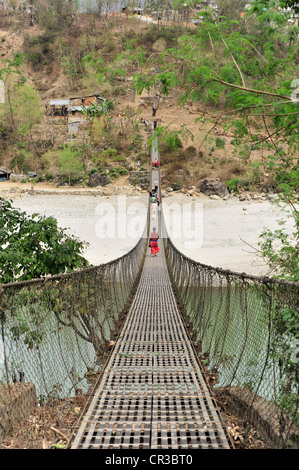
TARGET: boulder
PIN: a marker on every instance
(97, 179)
(213, 187)
(175, 186)
(140, 178)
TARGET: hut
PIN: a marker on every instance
(5, 173)
(87, 100)
(59, 107)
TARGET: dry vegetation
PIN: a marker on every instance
(54, 69)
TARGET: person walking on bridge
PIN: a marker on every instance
(155, 164)
(154, 206)
(154, 236)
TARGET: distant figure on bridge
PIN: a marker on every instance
(154, 236)
(155, 124)
(155, 185)
(157, 199)
(154, 206)
(155, 163)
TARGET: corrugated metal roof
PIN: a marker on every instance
(77, 108)
(60, 102)
(4, 169)
(86, 96)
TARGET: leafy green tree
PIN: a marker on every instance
(34, 246)
(242, 73)
(157, 83)
(66, 162)
(21, 110)
(281, 247)
(293, 4)
(69, 163)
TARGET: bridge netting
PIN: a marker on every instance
(56, 331)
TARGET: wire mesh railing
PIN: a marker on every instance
(55, 332)
(241, 333)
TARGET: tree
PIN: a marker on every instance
(57, 14)
(293, 4)
(69, 163)
(157, 82)
(21, 109)
(34, 246)
(281, 247)
(241, 78)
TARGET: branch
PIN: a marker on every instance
(270, 136)
(211, 44)
(235, 62)
(256, 250)
(251, 90)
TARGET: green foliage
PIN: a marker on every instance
(34, 246)
(24, 161)
(21, 108)
(27, 108)
(69, 163)
(65, 163)
(108, 156)
(282, 252)
(233, 185)
(116, 172)
(244, 70)
(171, 141)
(220, 143)
(55, 15)
(281, 247)
(40, 49)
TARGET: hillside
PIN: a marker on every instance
(70, 62)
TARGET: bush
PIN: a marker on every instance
(171, 141)
(119, 158)
(37, 248)
(39, 48)
(220, 143)
(235, 184)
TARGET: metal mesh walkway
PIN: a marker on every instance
(152, 393)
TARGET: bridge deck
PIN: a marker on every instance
(152, 393)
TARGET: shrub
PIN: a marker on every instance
(220, 143)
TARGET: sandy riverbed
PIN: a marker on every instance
(229, 230)
(219, 231)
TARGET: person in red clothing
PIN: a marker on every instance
(154, 236)
(155, 163)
